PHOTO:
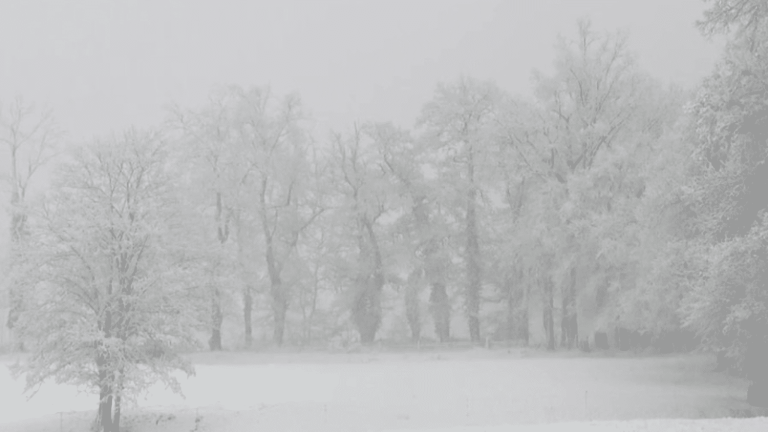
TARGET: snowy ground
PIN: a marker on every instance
(469, 392)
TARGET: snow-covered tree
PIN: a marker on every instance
(726, 204)
(30, 137)
(456, 131)
(111, 273)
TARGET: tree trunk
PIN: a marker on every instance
(217, 317)
(549, 308)
(104, 415)
(118, 402)
(569, 321)
(277, 290)
(274, 269)
(247, 311)
(247, 288)
(412, 311)
(473, 270)
(524, 330)
(279, 311)
(563, 319)
(103, 366)
(214, 343)
(514, 323)
(367, 308)
(526, 313)
(441, 311)
(368, 324)
(312, 307)
(512, 329)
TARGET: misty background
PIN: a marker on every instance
(104, 66)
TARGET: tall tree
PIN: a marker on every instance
(31, 137)
(208, 142)
(456, 125)
(254, 150)
(365, 197)
(418, 228)
(314, 254)
(591, 109)
(724, 197)
(109, 275)
(520, 174)
(274, 144)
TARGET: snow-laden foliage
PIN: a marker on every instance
(109, 274)
(724, 194)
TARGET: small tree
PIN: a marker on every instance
(107, 276)
(31, 136)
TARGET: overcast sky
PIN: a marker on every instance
(105, 65)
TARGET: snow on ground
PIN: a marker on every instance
(227, 387)
(436, 392)
(658, 425)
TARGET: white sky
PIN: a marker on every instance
(106, 65)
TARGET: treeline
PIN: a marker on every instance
(608, 205)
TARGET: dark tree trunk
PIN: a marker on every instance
(473, 271)
(512, 325)
(279, 311)
(412, 310)
(277, 290)
(118, 403)
(366, 311)
(214, 343)
(217, 317)
(441, 311)
(569, 330)
(105, 373)
(526, 314)
(104, 418)
(367, 327)
(309, 318)
(104, 415)
(516, 314)
(423, 274)
(247, 311)
(368, 334)
(247, 289)
(549, 307)
(757, 393)
(116, 419)
(524, 331)
(569, 321)
(563, 320)
(274, 269)
(367, 308)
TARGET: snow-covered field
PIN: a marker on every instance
(474, 391)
